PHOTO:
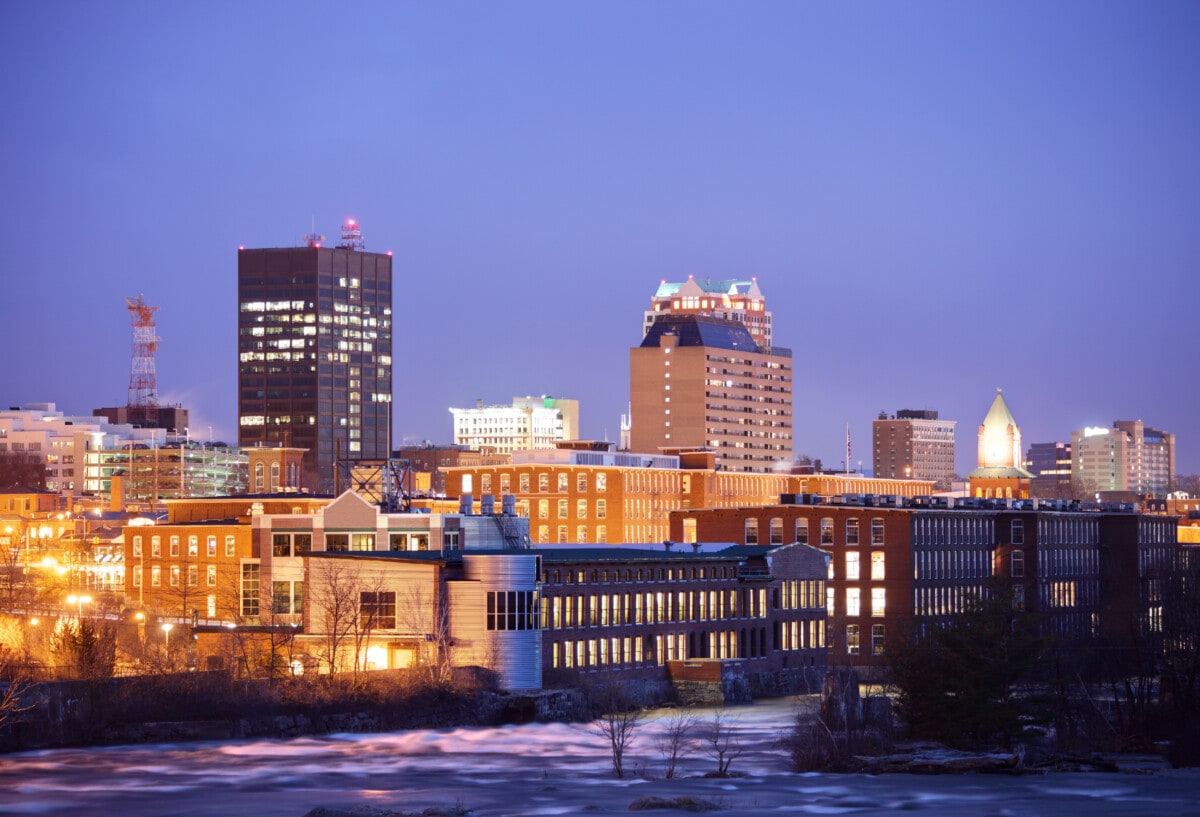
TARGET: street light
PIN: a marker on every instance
(79, 601)
(166, 628)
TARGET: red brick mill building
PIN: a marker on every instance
(1085, 570)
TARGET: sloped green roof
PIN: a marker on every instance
(999, 417)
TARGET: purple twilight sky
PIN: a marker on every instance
(937, 199)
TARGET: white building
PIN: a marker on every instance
(530, 423)
(64, 441)
(1127, 457)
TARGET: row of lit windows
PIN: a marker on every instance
(581, 509)
(562, 482)
(775, 531)
(175, 575)
(853, 566)
(854, 598)
(653, 607)
(581, 533)
(854, 637)
(662, 647)
(175, 543)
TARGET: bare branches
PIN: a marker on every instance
(720, 740)
(618, 722)
(675, 739)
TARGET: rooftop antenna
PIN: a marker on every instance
(143, 384)
(352, 236)
(313, 239)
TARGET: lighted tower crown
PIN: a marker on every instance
(143, 385)
(999, 437)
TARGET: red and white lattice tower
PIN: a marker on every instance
(143, 385)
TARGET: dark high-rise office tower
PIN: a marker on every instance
(315, 353)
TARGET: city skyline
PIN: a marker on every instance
(936, 200)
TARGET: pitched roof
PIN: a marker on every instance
(999, 417)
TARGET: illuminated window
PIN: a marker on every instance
(562, 534)
(601, 508)
(601, 534)
(174, 545)
(543, 509)
(174, 574)
(853, 601)
(581, 534)
(250, 590)
(155, 576)
(877, 573)
(212, 546)
(581, 509)
(193, 546)
(563, 483)
(524, 483)
(852, 572)
(851, 531)
(155, 547)
(852, 646)
(581, 483)
(601, 482)
(505, 482)
(212, 575)
(878, 638)
(137, 546)
(543, 483)
(878, 601)
(485, 483)
(876, 531)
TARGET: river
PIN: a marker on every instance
(536, 769)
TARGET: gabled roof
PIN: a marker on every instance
(727, 286)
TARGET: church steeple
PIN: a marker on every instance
(999, 473)
(999, 437)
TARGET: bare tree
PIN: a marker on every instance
(720, 740)
(13, 684)
(334, 590)
(618, 723)
(428, 621)
(377, 608)
(675, 739)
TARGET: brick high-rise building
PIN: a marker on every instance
(706, 375)
(914, 445)
(315, 352)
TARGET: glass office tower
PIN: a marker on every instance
(315, 354)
